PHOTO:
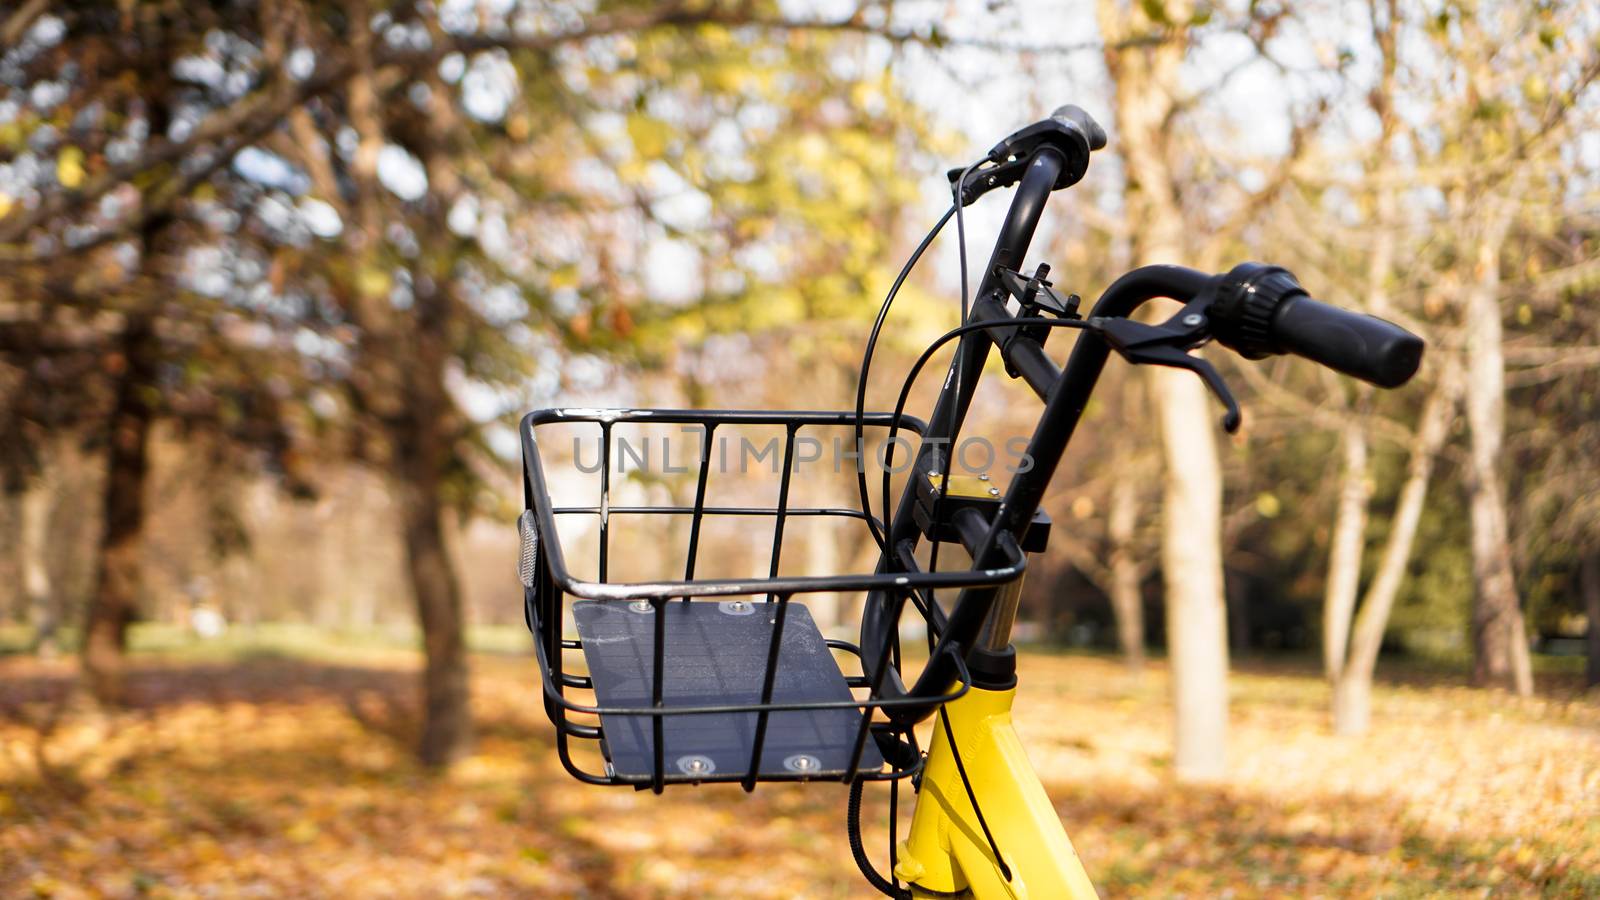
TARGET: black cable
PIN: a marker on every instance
(955, 431)
(852, 819)
(916, 369)
(905, 393)
(853, 810)
(866, 366)
(956, 207)
(961, 236)
(859, 851)
(894, 830)
(955, 752)
(948, 455)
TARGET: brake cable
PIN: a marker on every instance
(957, 190)
(957, 207)
(853, 809)
(972, 797)
(866, 366)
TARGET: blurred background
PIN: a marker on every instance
(277, 279)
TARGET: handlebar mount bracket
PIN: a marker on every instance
(936, 511)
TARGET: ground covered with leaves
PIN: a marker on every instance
(265, 775)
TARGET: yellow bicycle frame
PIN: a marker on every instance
(946, 851)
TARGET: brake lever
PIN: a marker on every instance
(1167, 345)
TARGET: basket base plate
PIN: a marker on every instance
(715, 654)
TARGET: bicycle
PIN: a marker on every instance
(699, 680)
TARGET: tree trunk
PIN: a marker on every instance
(1236, 600)
(1352, 688)
(422, 443)
(33, 537)
(1499, 637)
(1127, 597)
(116, 593)
(1191, 563)
(1591, 608)
(822, 558)
(403, 360)
(1344, 556)
(447, 721)
(1148, 81)
(1352, 702)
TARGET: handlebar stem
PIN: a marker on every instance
(1063, 409)
(882, 611)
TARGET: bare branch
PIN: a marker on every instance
(18, 23)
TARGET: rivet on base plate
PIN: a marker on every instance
(696, 765)
(801, 762)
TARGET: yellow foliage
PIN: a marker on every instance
(563, 277)
(373, 281)
(650, 135)
(69, 167)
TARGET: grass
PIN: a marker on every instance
(276, 762)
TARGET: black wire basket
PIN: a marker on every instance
(715, 679)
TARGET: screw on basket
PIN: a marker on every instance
(802, 763)
(641, 606)
(737, 607)
(696, 765)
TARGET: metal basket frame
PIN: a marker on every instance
(548, 585)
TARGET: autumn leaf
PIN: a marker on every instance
(69, 167)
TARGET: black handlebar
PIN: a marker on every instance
(1261, 310)
(1071, 131)
(1084, 122)
(1254, 309)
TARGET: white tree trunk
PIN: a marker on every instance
(32, 541)
(1148, 81)
(1191, 562)
(1499, 635)
(822, 558)
(1344, 556)
(1352, 691)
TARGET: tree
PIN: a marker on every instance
(1147, 88)
(1491, 115)
(113, 199)
(1352, 639)
(1525, 69)
(396, 299)
(1353, 659)
(1499, 635)
(775, 187)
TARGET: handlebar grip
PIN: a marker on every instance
(1085, 122)
(1259, 310)
(1363, 346)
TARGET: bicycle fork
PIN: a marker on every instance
(947, 851)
